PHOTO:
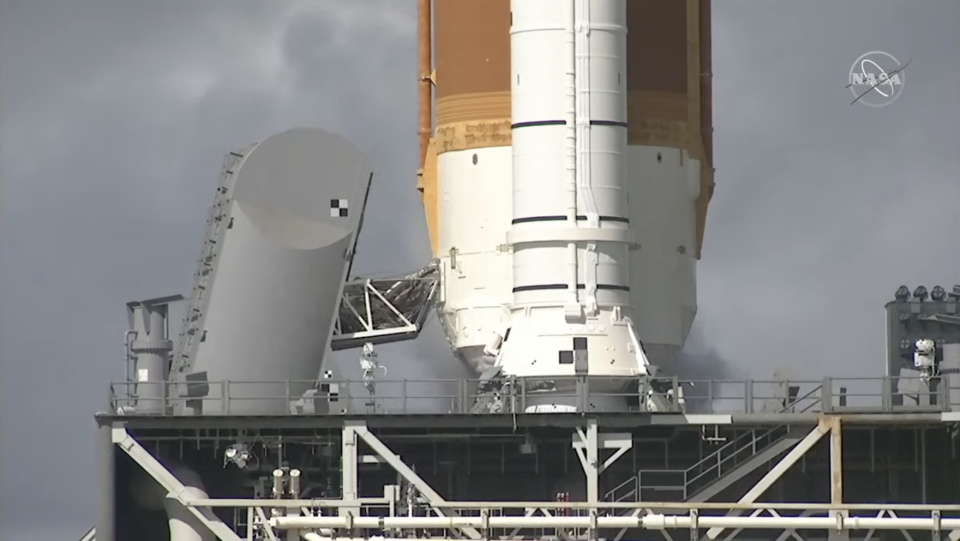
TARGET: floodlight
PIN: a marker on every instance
(903, 294)
(938, 293)
(920, 293)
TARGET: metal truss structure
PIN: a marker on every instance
(384, 310)
(413, 509)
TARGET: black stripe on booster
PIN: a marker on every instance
(553, 287)
(535, 123)
(559, 218)
(608, 123)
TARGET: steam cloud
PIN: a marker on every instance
(700, 363)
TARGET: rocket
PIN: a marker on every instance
(566, 180)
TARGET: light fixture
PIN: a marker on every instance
(903, 294)
(920, 293)
(238, 454)
(938, 293)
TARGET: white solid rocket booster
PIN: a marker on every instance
(570, 232)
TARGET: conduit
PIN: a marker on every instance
(649, 522)
(570, 118)
(425, 61)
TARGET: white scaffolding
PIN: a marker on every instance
(321, 520)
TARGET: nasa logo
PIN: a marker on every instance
(876, 79)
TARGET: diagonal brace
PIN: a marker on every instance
(620, 442)
(171, 484)
(411, 476)
(795, 454)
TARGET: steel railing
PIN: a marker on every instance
(460, 396)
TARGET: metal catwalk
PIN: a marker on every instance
(793, 464)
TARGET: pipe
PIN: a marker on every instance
(570, 117)
(310, 536)
(326, 535)
(425, 48)
(649, 522)
(128, 355)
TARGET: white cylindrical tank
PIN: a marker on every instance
(268, 288)
(665, 74)
(570, 229)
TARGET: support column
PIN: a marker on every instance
(348, 467)
(591, 464)
(836, 477)
(588, 444)
(107, 501)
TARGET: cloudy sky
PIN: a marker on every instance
(116, 114)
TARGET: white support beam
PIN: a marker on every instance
(889, 513)
(432, 496)
(171, 484)
(587, 444)
(790, 532)
(777, 471)
(623, 531)
(588, 452)
(836, 476)
(266, 524)
(620, 442)
(348, 467)
(91, 535)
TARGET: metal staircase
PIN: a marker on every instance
(191, 332)
(713, 473)
(717, 471)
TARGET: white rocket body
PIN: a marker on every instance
(512, 217)
(570, 233)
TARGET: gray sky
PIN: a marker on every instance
(116, 114)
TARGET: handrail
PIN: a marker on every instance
(716, 460)
(751, 435)
(457, 396)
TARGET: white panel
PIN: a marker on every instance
(663, 282)
(474, 215)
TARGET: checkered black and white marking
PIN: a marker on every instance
(576, 356)
(328, 374)
(339, 208)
